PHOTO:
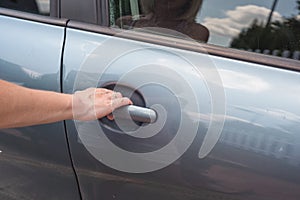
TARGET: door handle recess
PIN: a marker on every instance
(136, 113)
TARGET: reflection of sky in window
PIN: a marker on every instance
(225, 19)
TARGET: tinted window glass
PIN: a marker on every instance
(262, 26)
(268, 26)
(179, 16)
(32, 6)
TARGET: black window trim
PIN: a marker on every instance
(55, 8)
(103, 12)
(225, 52)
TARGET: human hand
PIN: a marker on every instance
(95, 103)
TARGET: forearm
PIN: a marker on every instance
(23, 107)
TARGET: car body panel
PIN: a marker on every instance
(34, 161)
(256, 156)
(239, 111)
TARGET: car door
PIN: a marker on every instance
(34, 161)
(208, 123)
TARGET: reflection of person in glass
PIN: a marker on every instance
(178, 15)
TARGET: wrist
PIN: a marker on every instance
(68, 113)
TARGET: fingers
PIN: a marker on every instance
(117, 99)
(110, 94)
(119, 102)
(103, 91)
(114, 100)
(110, 117)
(116, 95)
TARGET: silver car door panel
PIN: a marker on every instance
(246, 143)
(34, 161)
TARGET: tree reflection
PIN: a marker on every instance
(279, 35)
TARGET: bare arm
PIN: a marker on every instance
(21, 106)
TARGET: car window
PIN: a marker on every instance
(31, 6)
(269, 26)
(178, 16)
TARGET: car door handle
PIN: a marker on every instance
(136, 113)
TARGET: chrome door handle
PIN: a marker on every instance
(136, 113)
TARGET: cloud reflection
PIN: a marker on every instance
(239, 18)
(242, 81)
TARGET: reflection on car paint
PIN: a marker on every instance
(255, 157)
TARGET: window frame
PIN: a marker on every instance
(225, 52)
(51, 20)
(103, 28)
